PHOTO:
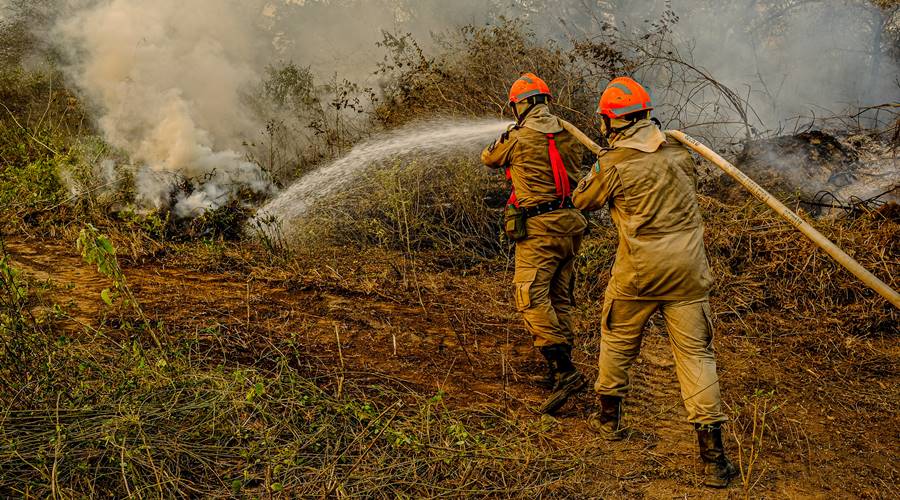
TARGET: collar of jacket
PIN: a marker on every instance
(541, 120)
(643, 136)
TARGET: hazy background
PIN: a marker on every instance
(169, 81)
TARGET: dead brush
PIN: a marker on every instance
(750, 425)
(767, 274)
(414, 205)
(471, 74)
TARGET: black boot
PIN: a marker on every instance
(565, 377)
(717, 469)
(607, 422)
(549, 381)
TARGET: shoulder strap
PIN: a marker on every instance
(560, 176)
(512, 192)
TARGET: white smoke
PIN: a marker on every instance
(787, 58)
(794, 58)
(166, 78)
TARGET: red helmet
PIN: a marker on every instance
(623, 96)
(526, 86)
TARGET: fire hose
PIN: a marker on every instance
(756, 190)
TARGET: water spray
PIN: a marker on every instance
(764, 196)
(428, 137)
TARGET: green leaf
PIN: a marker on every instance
(277, 487)
(106, 244)
(106, 297)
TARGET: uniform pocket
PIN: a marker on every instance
(523, 279)
(604, 316)
(514, 223)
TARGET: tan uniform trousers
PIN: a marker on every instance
(545, 285)
(691, 335)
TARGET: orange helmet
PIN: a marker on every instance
(623, 96)
(526, 86)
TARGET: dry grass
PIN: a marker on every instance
(427, 203)
(764, 268)
(103, 413)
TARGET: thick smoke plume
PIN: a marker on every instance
(166, 78)
(169, 78)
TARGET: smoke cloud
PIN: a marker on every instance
(788, 58)
(339, 36)
(166, 78)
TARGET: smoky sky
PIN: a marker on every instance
(167, 79)
(786, 57)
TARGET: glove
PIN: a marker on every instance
(505, 135)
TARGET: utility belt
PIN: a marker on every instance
(514, 217)
(547, 207)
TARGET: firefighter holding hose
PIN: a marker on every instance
(647, 182)
(540, 158)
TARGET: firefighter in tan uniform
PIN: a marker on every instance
(541, 160)
(647, 183)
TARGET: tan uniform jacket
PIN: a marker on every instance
(525, 153)
(648, 184)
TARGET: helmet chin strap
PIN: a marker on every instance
(521, 118)
(610, 130)
(606, 130)
(532, 102)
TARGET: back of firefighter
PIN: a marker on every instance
(647, 183)
(547, 229)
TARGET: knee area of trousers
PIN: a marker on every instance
(619, 344)
(699, 347)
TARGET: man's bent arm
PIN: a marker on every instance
(499, 153)
(597, 188)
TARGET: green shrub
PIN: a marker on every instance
(32, 185)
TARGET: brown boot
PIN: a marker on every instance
(566, 379)
(607, 422)
(717, 469)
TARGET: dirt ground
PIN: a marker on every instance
(832, 428)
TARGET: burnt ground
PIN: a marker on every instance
(832, 427)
